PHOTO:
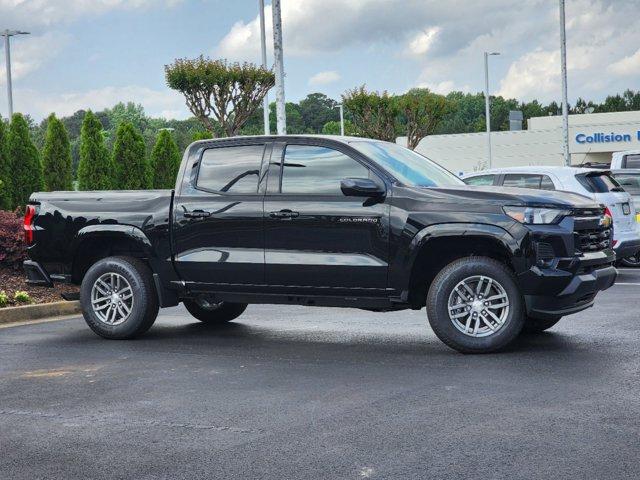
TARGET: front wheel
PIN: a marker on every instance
(633, 261)
(214, 313)
(118, 298)
(474, 305)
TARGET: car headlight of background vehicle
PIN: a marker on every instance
(536, 216)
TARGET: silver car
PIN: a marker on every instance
(629, 179)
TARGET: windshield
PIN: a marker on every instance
(407, 166)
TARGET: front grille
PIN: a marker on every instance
(590, 234)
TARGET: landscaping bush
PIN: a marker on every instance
(4, 299)
(12, 248)
(22, 297)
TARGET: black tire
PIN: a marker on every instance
(144, 307)
(438, 299)
(215, 314)
(539, 325)
(630, 262)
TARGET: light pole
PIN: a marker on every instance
(263, 43)
(487, 107)
(281, 115)
(565, 101)
(7, 34)
(341, 107)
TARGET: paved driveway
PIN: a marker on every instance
(293, 393)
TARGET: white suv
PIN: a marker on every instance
(598, 185)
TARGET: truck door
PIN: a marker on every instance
(218, 218)
(315, 236)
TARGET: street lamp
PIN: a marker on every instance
(487, 107)
(565, 102)
(7, 51)
(263, 45)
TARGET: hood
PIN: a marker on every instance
(513, 196)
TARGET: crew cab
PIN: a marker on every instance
(324, 221)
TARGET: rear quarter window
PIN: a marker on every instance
(599, 183)
(480, 180)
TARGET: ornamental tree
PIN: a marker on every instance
(95, 171)
(165, 161)
(24, 162)
(56, 156)
(131, 169)
(421, 111)
(219, 91)
(373, 114)
(6, 198)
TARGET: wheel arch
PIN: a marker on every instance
(438, 245)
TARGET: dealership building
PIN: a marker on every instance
(592, 138)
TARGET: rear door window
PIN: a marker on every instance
(630, 182)
(480, 180)
(231, 170)
(522, 180)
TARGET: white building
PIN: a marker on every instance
(592, 138)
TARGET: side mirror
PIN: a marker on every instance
(362, 187)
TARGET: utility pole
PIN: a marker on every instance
(487, 106)
(7, 51)
(281, 115)
(341, 119)
(263, 41)
(565, 101)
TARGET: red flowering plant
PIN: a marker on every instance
(12, 248)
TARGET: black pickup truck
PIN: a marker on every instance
(326, 221)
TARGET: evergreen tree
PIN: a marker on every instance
(6, 201)
(165, 161)
(130, 164)
(56, 156)
(24, 162)
(95, 170)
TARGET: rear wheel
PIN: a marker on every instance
(538, 325)
(118, 298)
(214, 313)
(474, 305)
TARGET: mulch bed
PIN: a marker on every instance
(14, 280)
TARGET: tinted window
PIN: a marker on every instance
(546, 183)
(231, 169)
(480, 180)
(406, 165)
(629, 181)
(599, 183)
(317, 170)
(632, 161)
(522, 180)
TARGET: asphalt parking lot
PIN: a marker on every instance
(293, 392)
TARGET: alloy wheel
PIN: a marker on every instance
(112, 298)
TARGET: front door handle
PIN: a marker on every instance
(284, 214)
(197, 214)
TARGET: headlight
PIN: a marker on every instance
(530, 215)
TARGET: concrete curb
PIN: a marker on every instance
(42, 310)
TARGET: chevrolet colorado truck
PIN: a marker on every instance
(324, 221)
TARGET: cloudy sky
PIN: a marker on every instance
(94, 53)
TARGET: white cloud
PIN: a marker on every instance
(629, 65)
(34, 51)
(324, 78)
(28, 13)
(534, 73)
(165, 103)
(422, 42)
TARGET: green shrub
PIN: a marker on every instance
(56, 156)
(95, 171)
(24, 161)
(165, 161)
(4, 299)
(129, 162)
(22, 297)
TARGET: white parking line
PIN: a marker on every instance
(626, 283)
(637, 270)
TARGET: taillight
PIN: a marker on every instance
(607, 213)
(29, 215)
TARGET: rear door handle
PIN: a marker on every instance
(197, 214)
(284, 214)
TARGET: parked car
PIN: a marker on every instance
(326, 221)
(597, 184)
(625, 159)
(629, 179)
